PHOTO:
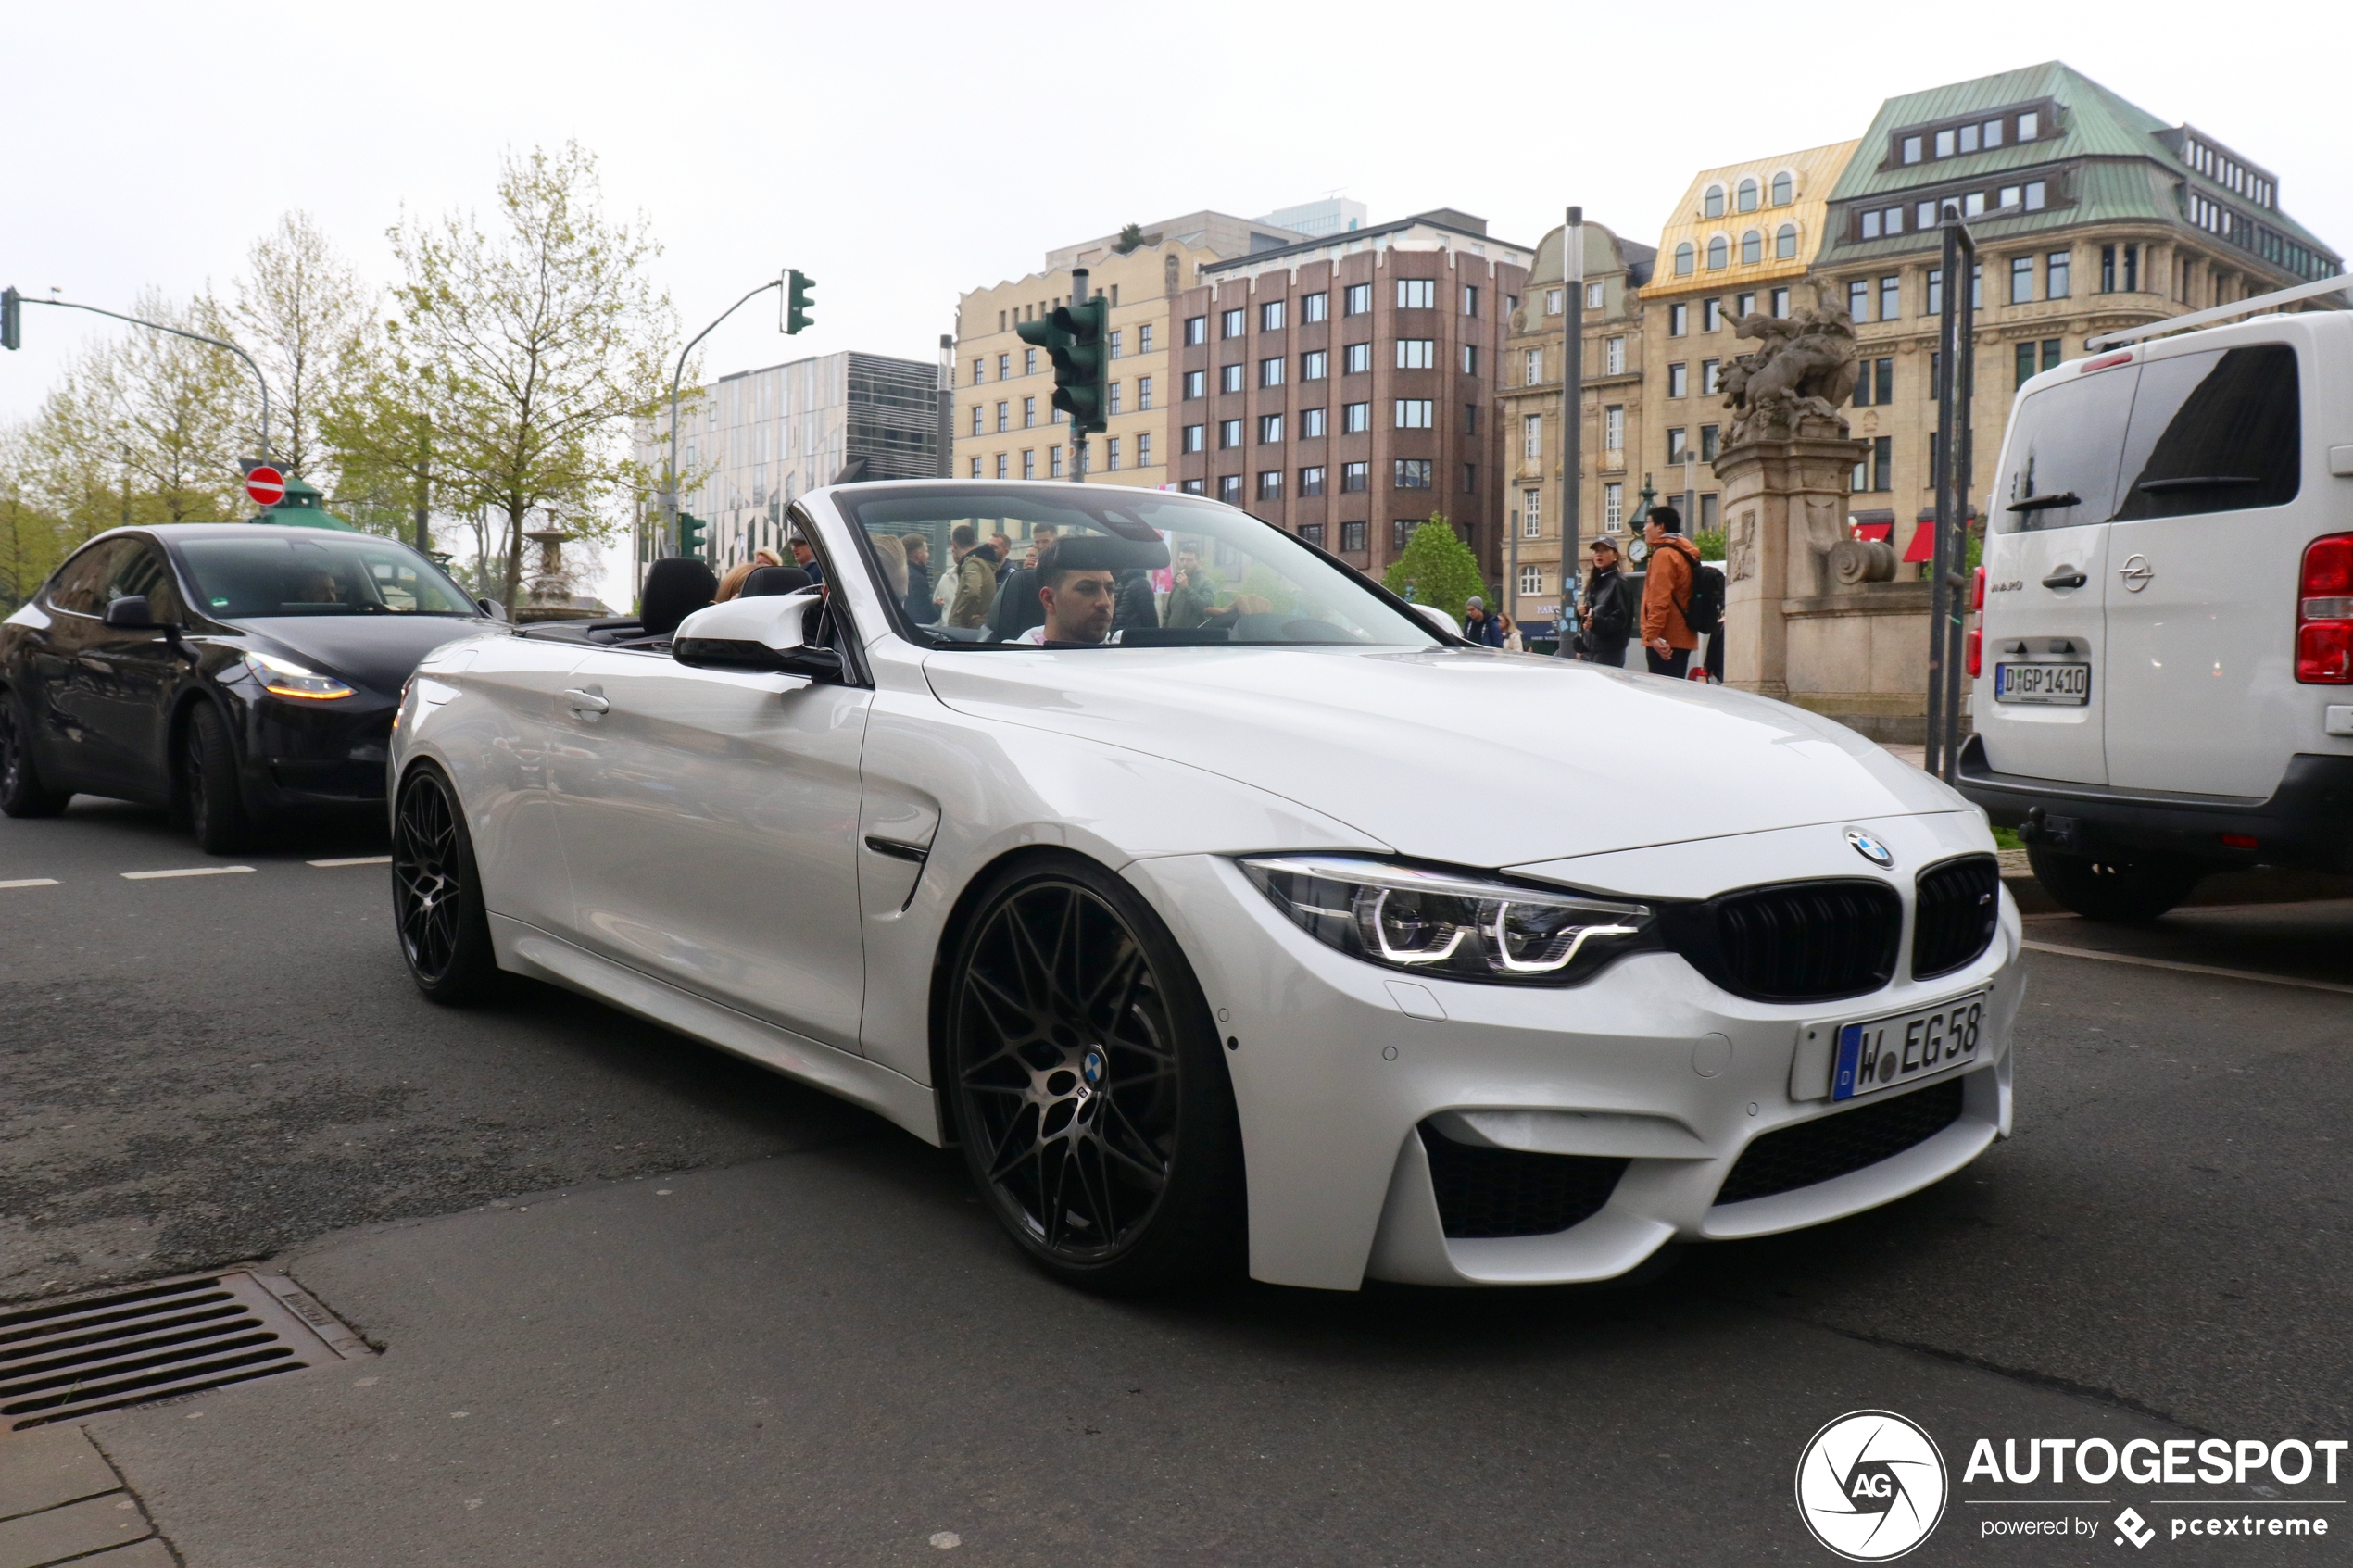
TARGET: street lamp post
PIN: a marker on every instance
(1948, 609)
(1572, 411)
(193, 337)
(670, 479)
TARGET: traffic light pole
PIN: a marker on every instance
(1079, 432)
(193, 337)
(1948, 606)
(670, 480)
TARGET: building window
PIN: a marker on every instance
(1352, 537)
(1592, 296)
(1683, 255)
(1415, 413)
(1470, 358)
(1708, 369)
(1743, 304)
(1935, 303)
(1613, 356)
(1029, 413)
(1945, 145)
(1356, 359)
(1417, 353)
(1416, 293)
(2021, 280)
(1707, 442)
(1112, 407)
(1470, 299)
(976, 467)
(1710, 513)
(1312, 533)
(1780, 304)
(1314, 307)
(1229, 489)
(1191, 439)
(2132, 269)
(1679, 380)
(1613, 508)
(1531, 514)
(1925, 217)
(1785, 243)
(1531, 436)
(1119, 344)
(1614, 432)
(2030, 125)
(1553, 298)
(1784, 189)
(1029, 463)
(1230, 378)
(1192, 488)
(1004, 415)
(1711, 316)
(1532, 366)
(1111, 453)
(1311, 424)
(1230, 325)
(1911, 150)
(1004, 366)
(1270, 372)
(2024, 369)
(1270, 430)
(1401, 531)
(1001, 465)
(1144, 340)
(1746, 194)
(1355, 418)
(1230, 434)
(1029, 361)
(1531, 579)
(1675, 444)
(1711, 202)
(2055, 269)
(1196, 330)
(1874, 383)
(1196, 383)
(1858, 299)
(1270, 484)
(1891, 298)
(1270, 318)
(1143, 394)
(2037, 195)
(980, 368)
(1678, 319)
(1414, 473)
(1311, 482)
(976, 419)
(1752, 247)
(1719, 252)
(1355, 478)
(2051, 354)
(1314, 365)
(1144, 449)
(1358, 301)
(1470, 479)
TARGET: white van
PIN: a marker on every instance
(2163, 673)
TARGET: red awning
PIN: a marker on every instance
(1923, 542)
(1882, 532)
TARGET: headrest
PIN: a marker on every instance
(775, 580)
(677, 586)
(1100, 552)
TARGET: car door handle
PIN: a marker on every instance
(581, 701)
(2136, 572)
(2064, 577)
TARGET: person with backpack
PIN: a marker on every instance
(1609, 611)
(1667, 582)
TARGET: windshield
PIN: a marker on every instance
(313, 573)
(1101, 566)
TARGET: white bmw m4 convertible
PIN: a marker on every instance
(1222, 908)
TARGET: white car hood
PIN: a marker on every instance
(1458, 754)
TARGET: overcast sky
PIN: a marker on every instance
(902, 153)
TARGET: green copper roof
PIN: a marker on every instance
(303, 508)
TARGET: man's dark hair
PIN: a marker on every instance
(963, 535)
(1667, 519)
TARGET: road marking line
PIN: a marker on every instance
(192, 870)
(31, 882)
(356, 860)
(2189, 968)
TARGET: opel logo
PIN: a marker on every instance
(1870, 848)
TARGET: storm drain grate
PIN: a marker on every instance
(61, 1360)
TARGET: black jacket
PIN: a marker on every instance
(1608, 611)
(920, 608)
(1135, 606)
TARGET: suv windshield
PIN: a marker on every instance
(1100, 565)
(313, 572)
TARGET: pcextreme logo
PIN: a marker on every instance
(1871, 1485)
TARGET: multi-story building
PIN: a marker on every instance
(1738, 243)
(1529, 398)
(1334, 215)
(1344, 387)
(2112, 219)
(1005, 424)
(751, 444)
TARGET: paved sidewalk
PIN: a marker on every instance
(60, 1500)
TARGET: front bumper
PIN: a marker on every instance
(316, 757)
(1337, 1064)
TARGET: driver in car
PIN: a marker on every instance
(1077, 587)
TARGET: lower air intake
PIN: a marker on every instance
(1498, 1192)
(1845, 1141)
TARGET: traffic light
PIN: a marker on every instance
(692, 532)
(11, 318)
(797, 301)
(1073, 338)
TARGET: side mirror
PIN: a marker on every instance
(492, 608)
(1439, 619)
(767, 632)
(131, 613)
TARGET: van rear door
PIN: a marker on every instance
(2202, 562)
(2041, 700)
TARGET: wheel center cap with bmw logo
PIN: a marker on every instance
(1870, 848)
(1092, 1066)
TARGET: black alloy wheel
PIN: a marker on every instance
(2118, 889)
(437, 894)
(21, 792)
(209, 794)
(1089, 1092)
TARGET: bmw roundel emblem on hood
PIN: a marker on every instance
(1870, 848)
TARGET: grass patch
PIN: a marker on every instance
(2006, 838)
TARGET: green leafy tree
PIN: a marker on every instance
(32, 538)
(302, 314)
(1440, 569)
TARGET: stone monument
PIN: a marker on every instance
(1811, 616)
(547, 597)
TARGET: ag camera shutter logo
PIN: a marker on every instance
(1871, 1485)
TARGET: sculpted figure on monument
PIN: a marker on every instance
(1794, 384)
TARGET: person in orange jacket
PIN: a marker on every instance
(1668, 639)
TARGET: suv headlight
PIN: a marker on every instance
(284, 677)
(1456, 925)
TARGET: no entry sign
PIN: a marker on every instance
(266, 485)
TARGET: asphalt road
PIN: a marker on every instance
(641, 1303)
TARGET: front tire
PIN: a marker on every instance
(214, 798)
(437, 894)
(1088, 1086)
(2117, 889)
(22, 793)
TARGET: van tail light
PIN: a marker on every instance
(2325, 613)
(1975, 651)
(1977, 589)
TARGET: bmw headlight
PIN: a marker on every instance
(284, 677)
(1458, 925)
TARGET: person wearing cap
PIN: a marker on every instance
(1668, 639)
(1608, 615)
(1479, 626)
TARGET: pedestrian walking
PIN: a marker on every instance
(1479, 626)
(975, 577)
(1668, 639)
(1609, 609)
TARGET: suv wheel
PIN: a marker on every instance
(21, 792)
(210, 793)
(2113, 889)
